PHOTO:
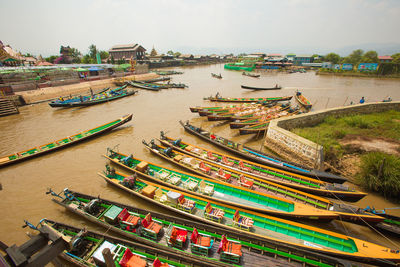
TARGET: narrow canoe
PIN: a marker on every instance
(303, 100)
(216, 76)
(261, 88)
(249, 100)
(242, 123)
(261, 157)
(346, 212)
(251, 74)
(88, 245)
(231, 193)
(242, 112)
(67, 102)
(390, 224)
(164, 85)
(147, 86)
(259, 225)
(256, 250)
(103, 98)
(64, 142)
(168, 72)
(216, 171)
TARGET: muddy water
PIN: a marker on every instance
(24, 185)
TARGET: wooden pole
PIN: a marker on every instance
(327, 103)
(346, 100)
(380, 171)
(108, 257)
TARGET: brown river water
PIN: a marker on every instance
(24, 184)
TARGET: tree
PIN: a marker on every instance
(370, 57)
(177, 54)
(153, 52)
(170, 52)
(333, 58)
(396, 58)
(104, 54)
(87, 59)
(112, 60)
(355, 57)
(51, 59)
(93, 51)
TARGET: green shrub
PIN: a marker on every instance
(380, 172)
(358, 122)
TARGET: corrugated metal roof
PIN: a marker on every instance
(385, 57)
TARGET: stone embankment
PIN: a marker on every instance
(298, 149)
(49, 93)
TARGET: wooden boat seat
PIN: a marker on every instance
(159, 195)
(131, 260)
(230, 250)
(212, 213)
(224, 176)
(227, 162)
(200, 239)
(186, 204)
(158, 263)
(244, 182)
(162, 175)
(244, 168)
(127, 220)
(204, 168)
(196, 150)
(206, 188)
(176, 236)
(178, 158)
(175, 179)
(188, 148)
(149, 191)
(211, 156)
(149, 225)
(242, 222)
(191, 184)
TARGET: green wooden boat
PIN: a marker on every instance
(87, 247)
(218, 98)
(213, 170)
(255, 251)
(62, 143)
(271, 229)
(231, 193)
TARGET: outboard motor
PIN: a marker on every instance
(177, 142)
(168, 151)
(92, 207)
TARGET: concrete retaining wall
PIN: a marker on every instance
(304, 150)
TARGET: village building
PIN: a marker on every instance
(385, 59)
(127, 51)
(300, 59)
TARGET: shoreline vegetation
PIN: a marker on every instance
(356, 74)
(365, 146)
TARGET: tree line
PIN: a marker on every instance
(70, 55)
(356, 57)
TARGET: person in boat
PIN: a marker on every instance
(362, 100)
(217, 95)
(276, 85)
(61, 98)
(81, 98)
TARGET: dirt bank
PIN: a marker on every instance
(48, 93)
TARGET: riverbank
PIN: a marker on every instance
(49, 93)
(358, 74)
(364, 147)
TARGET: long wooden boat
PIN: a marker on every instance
(303, 100)
(231, 192)
(104, 98)
(261, 157)
(213, 170)
(61, 102)
(164, 85)
(255, 250)
(147, 86)
(216, 76)
(261, 88)
(276, 176)
(167, 72)
(390, 224)
(197, 109)
(242, 123)
(87, 247)
(248, 100)
(259, 225)
(159, 79)
(242, 112)
(251, 74)
(62, 143)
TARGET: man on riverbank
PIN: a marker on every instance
(362, 100)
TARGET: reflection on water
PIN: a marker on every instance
(24, 185)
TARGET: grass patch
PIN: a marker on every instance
(380, 172)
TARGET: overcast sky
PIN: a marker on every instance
(199, 26)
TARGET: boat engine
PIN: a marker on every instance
(92, 207)
(168, 151)
(177, 142)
